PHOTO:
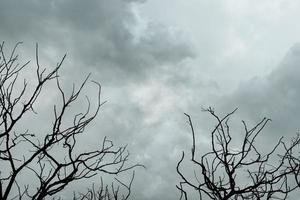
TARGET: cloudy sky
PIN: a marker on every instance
(157, 59)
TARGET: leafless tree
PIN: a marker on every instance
(23, 152)
(107, 192)
(228, 172)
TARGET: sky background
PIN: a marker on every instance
(158, 59)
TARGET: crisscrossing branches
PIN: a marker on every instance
(227, 172)
(24, 152)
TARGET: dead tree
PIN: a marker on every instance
(107, 192)
(243, 172)
(25, 152)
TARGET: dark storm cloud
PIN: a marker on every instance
(96, 34)
(109, 38)
(148, 78)
(275, 96)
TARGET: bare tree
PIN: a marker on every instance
(27, 153)
(244, 172)
(107, 192)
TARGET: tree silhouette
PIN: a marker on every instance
(107, 192)
(23, 152)
(244, 172)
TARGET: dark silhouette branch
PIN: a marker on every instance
(51, 172)
(106, 192)
(240, 173)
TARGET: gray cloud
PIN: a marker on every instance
(130, 57)
(96, 34)
(151, 73)
(274, 96)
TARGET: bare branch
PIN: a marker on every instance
(51, 173)
(244, 173)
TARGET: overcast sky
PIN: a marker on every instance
(157, 59)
